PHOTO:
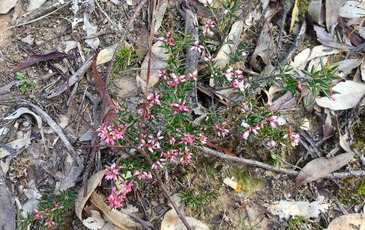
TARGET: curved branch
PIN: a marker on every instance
(290, 172)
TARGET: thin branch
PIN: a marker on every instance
(290, 172)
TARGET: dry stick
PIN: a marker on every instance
(290, 172)
(155, 171)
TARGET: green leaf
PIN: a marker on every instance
(19, 76)
(22, 88)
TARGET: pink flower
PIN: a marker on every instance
(188, 139)
(118, 196)
(111, 172)
(207, 27)
(38, 214)
(221, 128)
(50, 224)
(162, 74)
(116, 107)
(245, 135)
(156, 165)
(186, 158)
(192, 76)
(110, 134)
(169, 40)
(239, 84)
(176, 79)
(208, 59)
(142, 175)
(170, 155)
(203, 139)
(244, 107)
(294, 137)
(180, 107)
(271, 144)
(228, 74)
(153, 99)
(299, 86)
(197, 47)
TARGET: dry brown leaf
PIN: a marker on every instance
(349, 221)
(106, 54)
(160, 12)
(294, 15)
(263, 47)
(118, 218)
(159, 58)
(7, 5)
(348, 96)
(301, 59)
(92, 183)
(328, 39)
(345, 145)
(316, 12)
(222, 58)
(321, 167)
(352, 9)
(332, 10)
(172, 222)
(345, 67)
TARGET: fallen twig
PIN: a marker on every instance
(290, 172)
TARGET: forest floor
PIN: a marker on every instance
(51, 106)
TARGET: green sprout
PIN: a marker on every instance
(26, 83)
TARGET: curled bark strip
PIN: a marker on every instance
(58, 130)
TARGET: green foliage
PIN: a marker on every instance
(26, 83)
(124, 57)
(50, 213)
(320, 81)
(197, 201)
(361, 189)
(302, 223)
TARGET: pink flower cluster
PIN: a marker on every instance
(235, 76)
(188, 139)
(197, 47)
(209, 24)
(152, 143)
(273, 121)
(221, 129)
(180, 107)
(142, 175)
(111, 172)
(173, 80)
(293, 137)
(111, 134)
(250, 129)
(168, 39)
(118, 196)
(208, 58)
(153, 99)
